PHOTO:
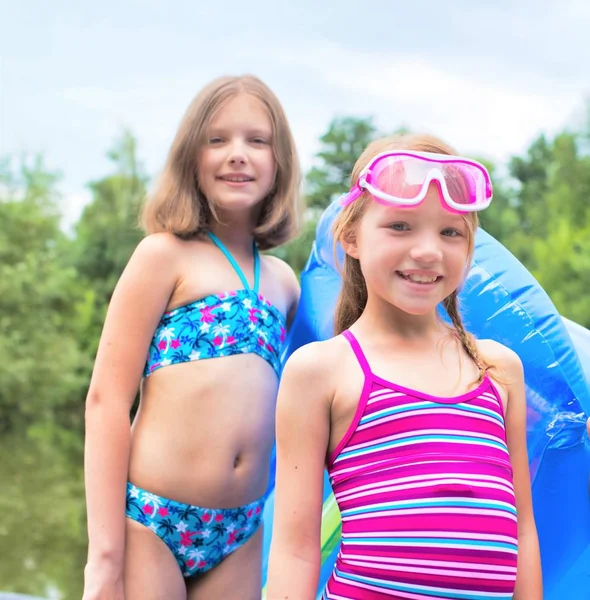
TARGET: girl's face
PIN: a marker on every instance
(237, 168)
(411, 258)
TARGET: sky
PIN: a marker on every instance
(488, 77)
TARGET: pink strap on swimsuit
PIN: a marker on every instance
(424, 486)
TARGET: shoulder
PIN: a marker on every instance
(504, 361)
(156, 260)
(288, 281)
(314, 362)
(170, 253)
(159, 247)
(282, 270)
(308, 384)
(153, 267)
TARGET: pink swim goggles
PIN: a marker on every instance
(402, 179)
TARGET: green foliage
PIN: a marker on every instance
(342, 144)
(556, 245)
(53, 297)
(561, 263)
(108, 229)
(44, 368)
(296, 252)
(107, 233)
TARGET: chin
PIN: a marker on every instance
(418, 312)
(413, 307)
(238, 205)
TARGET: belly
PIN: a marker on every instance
(428, 530)
(204, 431)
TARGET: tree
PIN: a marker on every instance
(342, 144)
(561, 263)
(42, 385)
(39, 298)
(108, 232)
(544, 219)
(296, 252)
(501, 219)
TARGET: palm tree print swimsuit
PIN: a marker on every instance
(236, 322)
(199, 538)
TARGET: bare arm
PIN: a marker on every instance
(138, 302)
(529, 584)
(303, 430)
(290, 283)
(295, 292)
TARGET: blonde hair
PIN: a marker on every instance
(353, 294)
(177, 205)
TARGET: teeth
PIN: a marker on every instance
(420, 278)
(237, 179)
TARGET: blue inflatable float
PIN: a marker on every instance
(500, 300)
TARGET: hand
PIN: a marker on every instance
(103, 581)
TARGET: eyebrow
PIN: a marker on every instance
(458, 218)
(458, 221)
(250, 132)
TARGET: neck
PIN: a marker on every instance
(236, 229)
(385, 320)
(236, 238)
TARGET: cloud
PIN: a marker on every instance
(476, 113)
(487, 77)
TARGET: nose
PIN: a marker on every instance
(237, 153)
(426, 249)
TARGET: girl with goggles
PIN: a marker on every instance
(421, 427)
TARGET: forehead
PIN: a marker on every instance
(241, 111)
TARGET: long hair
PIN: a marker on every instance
(353, 294)
(177, 204)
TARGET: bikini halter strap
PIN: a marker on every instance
(236, 266)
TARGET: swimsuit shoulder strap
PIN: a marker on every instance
(236, 266)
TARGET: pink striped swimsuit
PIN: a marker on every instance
(424, 486)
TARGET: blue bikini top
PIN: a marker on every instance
(236, 322)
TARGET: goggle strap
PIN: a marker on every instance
(351, 196)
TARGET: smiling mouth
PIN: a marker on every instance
(236, 179)
(423, 279)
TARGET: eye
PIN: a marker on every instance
(259, 140)
(399, 226)
(451, 232)
(215, 140)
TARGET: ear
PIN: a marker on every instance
(349, 243)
